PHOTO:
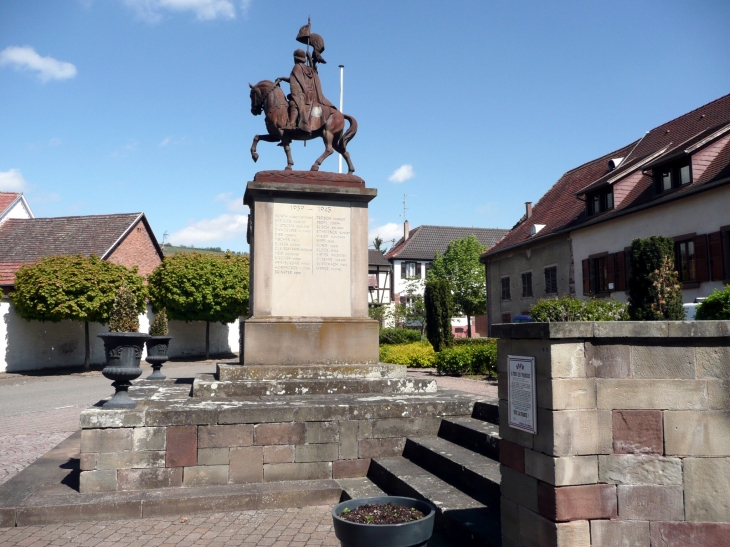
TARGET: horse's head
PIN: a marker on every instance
(258, 94)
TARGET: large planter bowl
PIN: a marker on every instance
(157, 355)
(123, 351)
(408, 534)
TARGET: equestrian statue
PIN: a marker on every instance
(305, 113)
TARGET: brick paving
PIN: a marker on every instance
(305, 527)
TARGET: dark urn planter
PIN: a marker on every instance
(157, 355)
(123, 350)
(408, 534)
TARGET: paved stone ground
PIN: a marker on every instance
(305, 527)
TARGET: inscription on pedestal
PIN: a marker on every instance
(311, 254)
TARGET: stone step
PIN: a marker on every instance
(46, 492)
(466, 519)
(465, 469)
(487, 411)
(207, 387)
(476, 435)
(359, 487)
(232, 373)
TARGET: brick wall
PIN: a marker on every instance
(633, 435)
(137, 249)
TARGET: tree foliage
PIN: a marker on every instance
(79, 288)
(201, 287)
(412, 312)
(715, 306)
(439, 309)
(460, 266)
(124, 316)
(655, 293)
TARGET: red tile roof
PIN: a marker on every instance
(561, 210)
(6, 198)
(7, 272)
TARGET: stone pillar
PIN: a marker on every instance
(308, 238)
(633, 428)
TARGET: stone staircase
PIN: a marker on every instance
(457, 471)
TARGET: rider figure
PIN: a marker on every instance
(305, 93)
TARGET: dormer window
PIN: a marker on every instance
(599, 201)
(673, 175)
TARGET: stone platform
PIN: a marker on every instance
(260, 425)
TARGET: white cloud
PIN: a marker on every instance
(402, 174)
(26, 58)
(223, 227)
(12, 181)
(171, 141)
(234, 204)
(205, 10)
(388, 232)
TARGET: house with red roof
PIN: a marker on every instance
(673, 182)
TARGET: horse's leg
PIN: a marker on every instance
(286, 143)
(327, 137)
(256, 139)
(345, 154)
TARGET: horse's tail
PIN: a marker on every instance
(351, 131)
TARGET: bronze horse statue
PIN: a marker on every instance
(267, 97)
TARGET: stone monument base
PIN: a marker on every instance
(309, 341)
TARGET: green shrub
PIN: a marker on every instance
(399, 336)
(439, 309)
(569, 308)
(416, 354)
(655, 293)
(468, 359)
(158, 327)
(123, 316)
(715, 306)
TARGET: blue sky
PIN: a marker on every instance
(470, 107)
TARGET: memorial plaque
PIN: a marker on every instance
(311, 254)
(521, 385)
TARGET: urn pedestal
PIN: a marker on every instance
(157, 355)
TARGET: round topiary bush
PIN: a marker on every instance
(716, 306)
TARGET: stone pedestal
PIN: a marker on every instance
(308, 238)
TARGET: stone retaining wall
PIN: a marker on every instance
(181, 442)
(633, 435)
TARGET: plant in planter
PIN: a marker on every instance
(404, 528)
(123, 347)
(157, 345)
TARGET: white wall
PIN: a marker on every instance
(31, 345)
(399, 285)
(702, 214)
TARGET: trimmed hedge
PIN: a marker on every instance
(416, 354)
(715, 306)
(473, 341)
(569, 308)
(399, 336)
(468, 359)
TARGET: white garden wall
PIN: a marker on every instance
(32, 345)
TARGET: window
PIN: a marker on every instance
(506, 318)
(685, 262)
(673, 175)
(410, 269)
(527, 285)
(599, 201)
(551, 280)
(505, 289)
(599, 275)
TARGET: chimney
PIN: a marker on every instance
(528, 209)
(406, 230)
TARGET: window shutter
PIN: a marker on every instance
(703, 270)
(586, 277)
(716, 269)
(611, 272)
(620, 259)
(418, 270)
(402, 270)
